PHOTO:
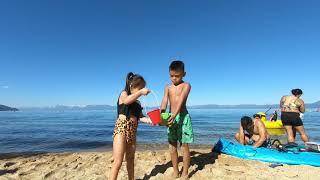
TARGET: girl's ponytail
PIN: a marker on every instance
(128, 82)
(134, 81)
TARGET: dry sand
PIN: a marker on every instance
(149, 165)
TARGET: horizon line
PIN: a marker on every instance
(83, 106)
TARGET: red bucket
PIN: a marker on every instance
(155, 116)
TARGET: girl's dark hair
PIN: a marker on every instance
(246, 122)
(296, 92)
(134, 81)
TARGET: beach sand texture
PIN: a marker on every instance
(149, 165)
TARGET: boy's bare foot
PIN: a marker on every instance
(184, 177)
(175, 175)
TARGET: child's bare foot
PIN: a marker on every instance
(184, 173)
(175, 175)
(185, 177)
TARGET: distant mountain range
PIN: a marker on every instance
(7, 108)
(249, 106)
(208, 106)
(71, 108)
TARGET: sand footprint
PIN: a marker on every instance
(8, 164)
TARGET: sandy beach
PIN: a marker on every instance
(149, 165)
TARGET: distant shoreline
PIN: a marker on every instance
(7, 108)
(314, 105)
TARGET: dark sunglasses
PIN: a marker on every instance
(257, 115)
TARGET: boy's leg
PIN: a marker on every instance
(173, 141)
(130, 151)
(186, 139)
(174, 158)
(186, 160)
(119, 146)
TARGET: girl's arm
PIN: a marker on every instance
(164, 102)
(241, 135)
(143, 118)
(146, 120)
(129, 99)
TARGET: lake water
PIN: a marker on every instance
(28, 131)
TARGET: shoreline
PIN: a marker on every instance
(149, 164)
(139, 147)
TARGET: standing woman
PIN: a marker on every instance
(291, 107)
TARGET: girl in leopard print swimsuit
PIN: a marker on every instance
(124, 135)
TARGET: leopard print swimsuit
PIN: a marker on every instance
(124, 124)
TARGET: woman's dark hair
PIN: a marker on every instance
(246, 122)
(134, 81)
(176, 66)
(296, 92)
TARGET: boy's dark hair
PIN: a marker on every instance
(134, 81)
(176, 66)
(246, 122)
(296, 92)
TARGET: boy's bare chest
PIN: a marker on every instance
(256, 130)
(175, 91)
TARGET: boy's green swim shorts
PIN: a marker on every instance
(181, 130)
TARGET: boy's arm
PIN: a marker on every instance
(164, 102)
(184, 95)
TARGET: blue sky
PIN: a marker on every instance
(236, 52)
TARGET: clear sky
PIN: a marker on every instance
(79, 52)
